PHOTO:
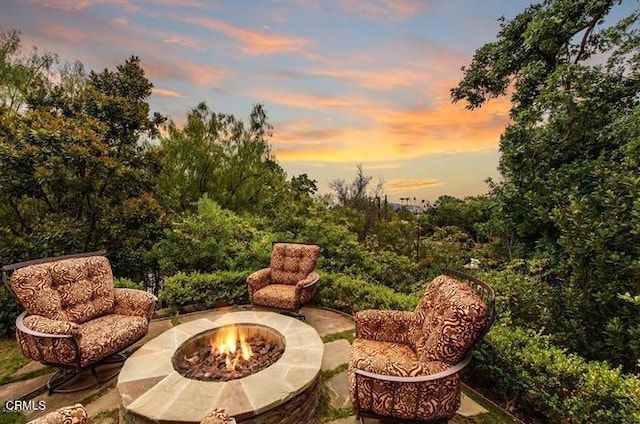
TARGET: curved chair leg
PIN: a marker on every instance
(62, 380)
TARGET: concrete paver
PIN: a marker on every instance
(336, 353)
(326, 321)
(469, 408)
(339, 390)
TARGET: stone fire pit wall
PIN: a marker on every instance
(287, 392)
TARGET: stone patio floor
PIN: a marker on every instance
(103, 402)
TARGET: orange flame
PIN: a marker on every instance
(232, 343)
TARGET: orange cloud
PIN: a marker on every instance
(395, 186)
(251, 42)
(387, 134)
(166, 93)
(181, 70)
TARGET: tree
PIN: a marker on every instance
(75, 175)
(569, 159)
(302, 184)
(21, 74)
(218, 155)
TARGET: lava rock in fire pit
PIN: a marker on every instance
(207, 364)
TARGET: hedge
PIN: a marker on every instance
(349, 294)
(205, 290)
(544, 379)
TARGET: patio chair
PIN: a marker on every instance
(74, 318)
(406, 365)
(290, 281)
(76, 414)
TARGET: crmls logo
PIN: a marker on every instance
(24, 405)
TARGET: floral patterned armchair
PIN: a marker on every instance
(74, 318)
(290, 281)
(406, 365)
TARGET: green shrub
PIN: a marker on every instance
(212, 239)
(391, 269)
(351, 294)
(205, 290)
(9, 311)
(522, 299)
(547, 381)
(127, 283)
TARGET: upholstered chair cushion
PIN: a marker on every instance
(292, 262)
(75, 289)
(454, 317)
(217, 416)
(103, 336)
(75, 414)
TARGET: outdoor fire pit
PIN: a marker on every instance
(184, 373)
(229, 352)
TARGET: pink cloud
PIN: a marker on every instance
(166, 93)
(251, 42)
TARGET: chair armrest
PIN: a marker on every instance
(258, 280)
(39, 326)
(134, 302)
(76, 414)
(387, 326)
(309, 280)
(451, 370)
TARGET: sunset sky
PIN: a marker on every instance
(343, 82)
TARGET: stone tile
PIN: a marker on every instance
(336, 353)
(58, 400)
(339, 390)
(311, 356)
(132, 390)
(234, 399)
(156, 328)
(469, 408)
(236, 318)
(30, 367)
(278, 321)
(106, 402)
(145, 363)
(193, 399)
(170, 339)
(327, 322)
(17, 390)
(196, 327)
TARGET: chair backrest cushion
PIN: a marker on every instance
(75, 289)
(292, 262)
(454, 316)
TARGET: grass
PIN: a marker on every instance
(11, 359)
(348, 335)
(111, 416)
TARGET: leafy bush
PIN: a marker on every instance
(127, 283)
(212, 239)
(543, 379)
(351, 294)
(522, 299)
(9, 311)
(205, 290)
(391, 269)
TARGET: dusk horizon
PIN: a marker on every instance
(343, 83)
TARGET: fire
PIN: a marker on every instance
(232, 343)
